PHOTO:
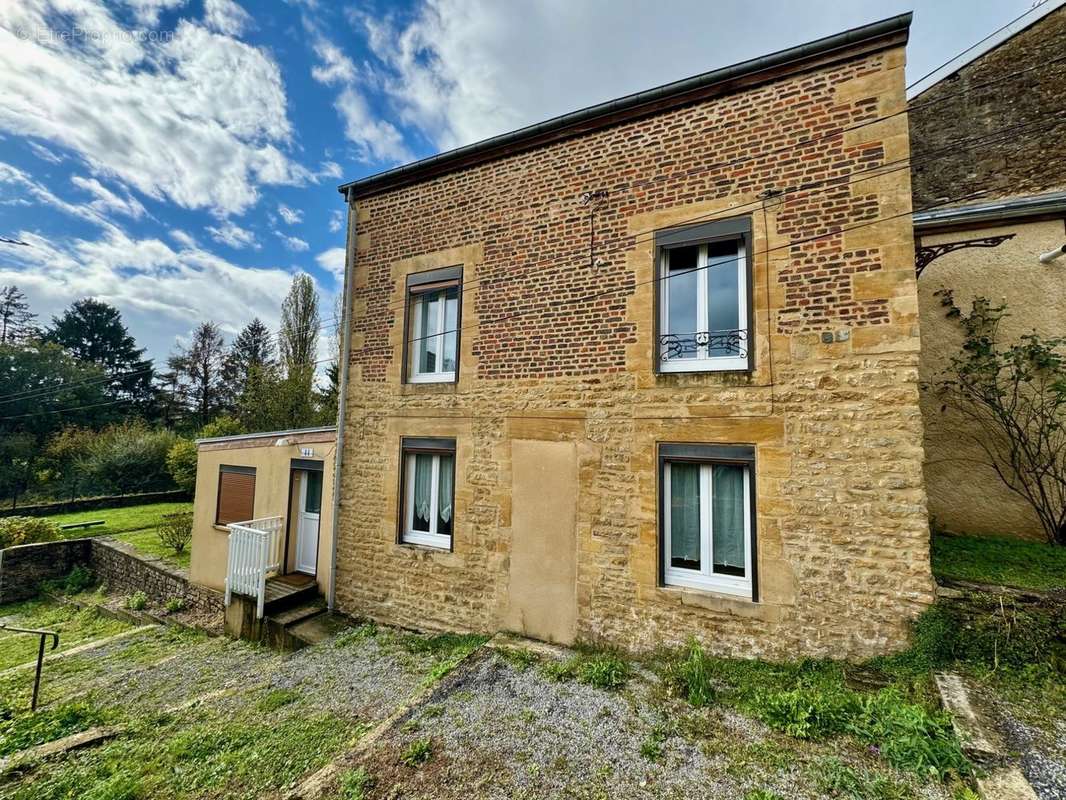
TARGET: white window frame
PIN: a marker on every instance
(416, 339)
(704, 362)
(442, 541)
(705, 578)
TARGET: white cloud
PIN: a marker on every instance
(161, 292)
(335, 66)
(45, 154)
(183, 238)
(293, 243)
(329, 169)
(233, 235)
(147, 11)
(107, 201)
(336, 220)
(375, 139)
(290, 215)
(29, 188)
(155, 115)
(333, 261)
(225, 16)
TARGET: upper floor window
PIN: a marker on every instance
(432, 351)
(703, 290)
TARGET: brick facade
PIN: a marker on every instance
(557, 346)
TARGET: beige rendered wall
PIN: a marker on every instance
(965, 495)
(272, 465)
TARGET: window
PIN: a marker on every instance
(432, 346)
(428, 492)
(703, 290)
(706, 517)
(236, 495)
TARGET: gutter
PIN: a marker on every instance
(1000, 211)
(639, 104)
(342, 397)
(243, 437)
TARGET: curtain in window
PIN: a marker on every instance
(685, 512)
(423, 488)
(728, 517)
(444, 487)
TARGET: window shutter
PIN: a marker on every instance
(236, 496)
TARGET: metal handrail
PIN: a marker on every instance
(40, 654)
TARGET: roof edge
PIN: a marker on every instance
(631, 106)
(264, 435)
(1000, 210)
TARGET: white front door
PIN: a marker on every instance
(307, 517)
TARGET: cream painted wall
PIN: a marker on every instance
(272, 469)
(965, 496)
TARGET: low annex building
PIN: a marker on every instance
(649, 370)
(278, 483)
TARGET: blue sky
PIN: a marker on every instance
(180, 158)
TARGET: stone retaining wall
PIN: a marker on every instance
(119, 566)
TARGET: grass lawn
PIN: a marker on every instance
(135, 525)
(1001, 561)
(73, 627)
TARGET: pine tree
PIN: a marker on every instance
(199, 370)
(253, 349)
(16, 320)
(93, 333)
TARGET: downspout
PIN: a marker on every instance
(342, 396)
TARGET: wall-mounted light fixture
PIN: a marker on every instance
(1050, 256)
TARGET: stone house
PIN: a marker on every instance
(647, 371)
(1013, 152)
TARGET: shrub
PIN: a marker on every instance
(181, 464)
(79, 579)
(138, 601)
(417, 753)
(130, 457)
(26, 530)
(689, 676)
(175, 604)
(175, 531)
(355, 784)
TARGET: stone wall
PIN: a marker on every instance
(977, 101)
(23, 568)
(123, 570)
(842, 555)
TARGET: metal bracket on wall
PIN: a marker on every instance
(924, 254)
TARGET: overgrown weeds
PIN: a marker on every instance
(604, 669)
(20, 731)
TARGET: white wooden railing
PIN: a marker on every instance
(254, 553)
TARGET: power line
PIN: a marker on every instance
(648, 234)
(976, 44)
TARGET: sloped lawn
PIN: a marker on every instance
(135, 525)
(1000, 561)
(73, 627)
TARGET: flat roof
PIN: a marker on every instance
(876, 35)
(243, 437)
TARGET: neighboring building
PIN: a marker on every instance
(276, 491)
(607, 384)
(1015, 153)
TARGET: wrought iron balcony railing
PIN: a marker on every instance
(704, 344)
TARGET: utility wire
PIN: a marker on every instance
(957, 56)
(640, 237)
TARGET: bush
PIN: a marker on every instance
(175, 604)
(79, 579)
(181, 464)
(26, 530)
(175, 531)
(138, 601)
(129, 458)
(689, 676)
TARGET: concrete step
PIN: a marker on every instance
(296, 614)
(319, 627)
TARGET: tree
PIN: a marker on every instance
(93, 332)
(44, 389)
(16, 320)
(198, 370)
(1015, 394)
(130, 457)
(253, 347)
(300, 322)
